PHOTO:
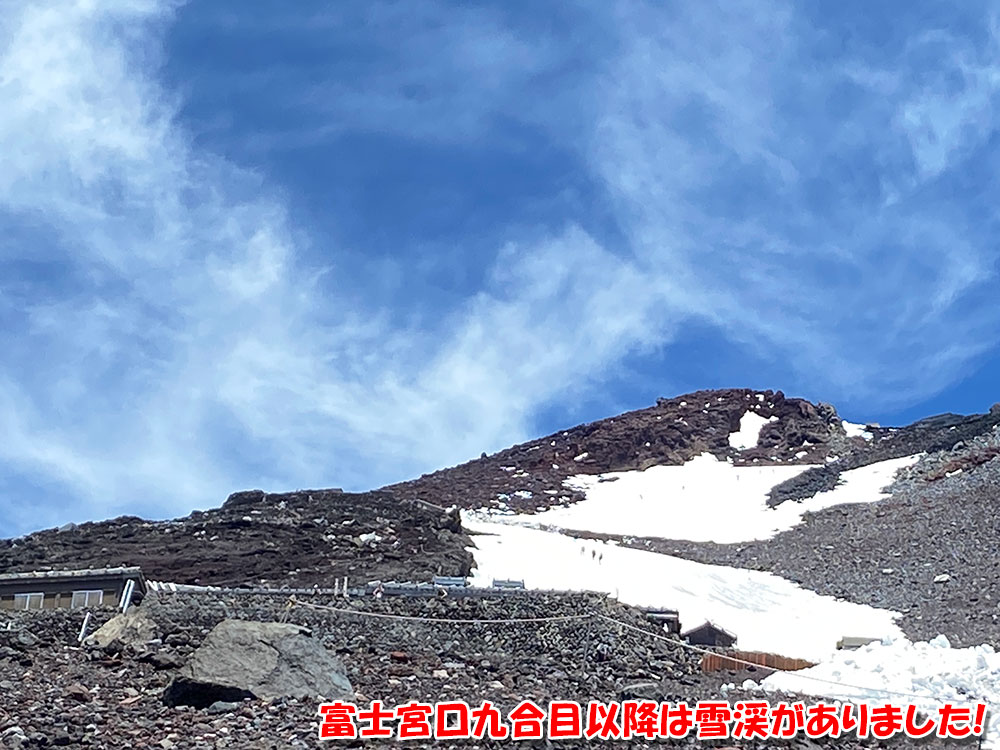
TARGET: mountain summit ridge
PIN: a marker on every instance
(400, 531)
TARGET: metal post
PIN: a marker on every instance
(83, 630)
(127, 595)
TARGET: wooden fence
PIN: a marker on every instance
(718, 662)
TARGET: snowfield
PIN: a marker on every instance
(856, 430)
(766, 612)
(711, 500)
(749, 432)
(704, 500)
(926, 674)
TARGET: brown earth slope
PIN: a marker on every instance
(302, 538)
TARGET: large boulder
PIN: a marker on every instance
(134, 628)
(241, 659)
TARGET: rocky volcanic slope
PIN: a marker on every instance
(56, 694)
(928, 551)
(940, 434)
(530, 476)
(940, 523)
(302, 538)
(403, 532)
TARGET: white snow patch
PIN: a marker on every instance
(931, 673)
(765, 612)
(856, 430)
(581, 456)
(750, 427)
(705, 500)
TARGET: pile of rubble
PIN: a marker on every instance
(126, 686)
(131, 684)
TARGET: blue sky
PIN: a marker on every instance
(295, 245)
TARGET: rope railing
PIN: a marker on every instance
(621, 623)
(442, 620)
(293, 601)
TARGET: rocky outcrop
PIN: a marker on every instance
(941, 433)
(531, 476)
(241, 659)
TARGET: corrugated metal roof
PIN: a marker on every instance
(85, 573)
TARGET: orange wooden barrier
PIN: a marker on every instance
(718, 662)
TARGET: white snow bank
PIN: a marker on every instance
(750, 426)
(856, 430)
(705, 500)
(766, 612)
(931, 672)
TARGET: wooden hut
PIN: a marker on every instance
(708, 634)
(75, 589)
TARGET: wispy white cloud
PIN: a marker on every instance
(184, 347)
(845, 287)
(173, 342)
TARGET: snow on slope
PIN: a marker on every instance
(766, 612)
(704, 500)
(856, 430)
(711, 500)
(931, 672)
(749, 432)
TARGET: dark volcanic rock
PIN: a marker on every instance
(241, 659)
(928, 551)
(940, 433)
(305, 538)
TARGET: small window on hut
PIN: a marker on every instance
(87, 598)
(29, 601)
